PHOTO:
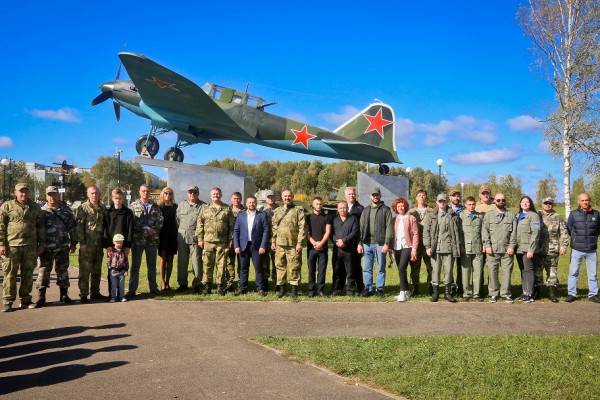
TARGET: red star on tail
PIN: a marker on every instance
(162, 84)
(302, 136)
(376, 123)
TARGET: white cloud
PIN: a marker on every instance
(249, 153)
(434, 140)
(486, 157)
(544, 146)
(120, 140)
(64, 114)
(525, 123)
(5, 142)
(338, 119)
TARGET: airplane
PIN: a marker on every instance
(215, 113)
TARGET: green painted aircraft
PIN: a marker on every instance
(212, 112)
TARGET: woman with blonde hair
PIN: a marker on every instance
(167, 243)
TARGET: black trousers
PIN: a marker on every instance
(528, 268)
(402, 259)
(343, 268)
(317, 265)
(257, 260)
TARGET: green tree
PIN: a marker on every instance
(104, 173)
(547, 187)
(578, 187)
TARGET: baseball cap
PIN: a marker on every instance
(442, 196)
(193, 188)
(118, 238)
(51, 189)
(268, 193)
(20, 186)
(453, 192)
(548, 200)
(484, 188)
(376, 191)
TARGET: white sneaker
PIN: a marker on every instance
(402, 296)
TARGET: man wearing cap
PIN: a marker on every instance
(376, 231)
(499, 237)
(485, 203)
(22, 237)
(187, 246)
(61, 238)
(441, 238)
(90, 230)
(147, 223)
(554, 241)
(269, 258)
(457, 208)
(420, 212)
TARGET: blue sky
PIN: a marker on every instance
(459, 76)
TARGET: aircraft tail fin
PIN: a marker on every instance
(374, 125)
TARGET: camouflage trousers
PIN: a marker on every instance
(550, 265)
(90, 270)
(288, 263)
(233, 267)
(214, 256)
(60, 261)
(185, 253)
(19, 259)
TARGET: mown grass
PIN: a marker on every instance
(392, 287)
(459, 367)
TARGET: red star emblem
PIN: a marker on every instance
(376, 123)
(302, 136)
(162, 84)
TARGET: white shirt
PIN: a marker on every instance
(399, 234)
(251, 215)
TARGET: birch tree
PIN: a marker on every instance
(566, 38)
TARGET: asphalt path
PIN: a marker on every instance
(202, 350)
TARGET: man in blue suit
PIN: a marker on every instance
(251, 235)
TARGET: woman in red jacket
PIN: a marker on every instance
(405, 243)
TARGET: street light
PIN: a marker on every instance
(118, 155)
(5, 163)
(439, 163)
(462, 189)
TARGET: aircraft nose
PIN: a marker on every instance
(107, 87)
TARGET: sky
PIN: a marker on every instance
(459, 75)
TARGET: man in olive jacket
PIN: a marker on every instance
(441, 238)
(499, 236)
(472, 249)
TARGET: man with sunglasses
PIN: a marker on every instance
(554, 241)
(499, 237)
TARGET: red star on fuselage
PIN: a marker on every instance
(302, 136)
(376, 123)
(162, 84)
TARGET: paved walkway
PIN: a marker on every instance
(200, 350)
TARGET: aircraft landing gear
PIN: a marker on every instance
(147, 145)
(384, 169)
(174, 154)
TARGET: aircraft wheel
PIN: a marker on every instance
(151, 147)
(384, 169)
(174, 154)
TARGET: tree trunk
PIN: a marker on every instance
(566, 148)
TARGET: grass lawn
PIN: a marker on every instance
(391, 284)
(459, 367)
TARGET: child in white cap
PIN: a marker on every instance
(118, 265)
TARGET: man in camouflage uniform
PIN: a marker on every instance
(147, 222)
(233, 260)
(61, 238)
(420, 212)
(214, 232)
(554, 241)
(269, 259)
(90, 228)
(187, 247)
(289, 236)
(22, 237)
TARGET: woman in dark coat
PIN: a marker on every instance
(167, 243)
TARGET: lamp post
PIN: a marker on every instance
(439, 163)
(462, 190)
(118, 155)
(5, 163)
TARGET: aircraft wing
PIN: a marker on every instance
(364, 151)
(166, 91)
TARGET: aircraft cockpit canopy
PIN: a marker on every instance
(228, 95)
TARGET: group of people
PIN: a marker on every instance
(220, 241)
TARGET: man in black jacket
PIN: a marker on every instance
(584, 227)
(355, 209)
(345, 239)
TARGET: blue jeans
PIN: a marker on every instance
(590, 263)
(117, 284)
(370, 252)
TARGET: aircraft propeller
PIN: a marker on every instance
(107, 93)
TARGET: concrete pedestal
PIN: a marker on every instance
(182, 175)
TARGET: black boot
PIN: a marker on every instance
(221, 290)
(64, 297)
(430, 286)
(435, 293)
(294, 291)
(552, 294)
(41, 302)
(536, 292)
(448, 295)
(280, 291)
